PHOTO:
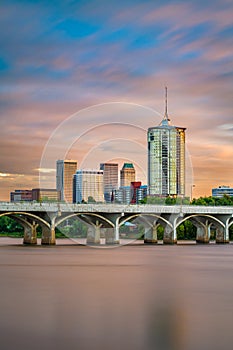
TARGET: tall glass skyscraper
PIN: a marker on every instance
(166, 158)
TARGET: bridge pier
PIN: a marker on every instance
(151, 235)
(168, 236)
(202, 234)
(93, 233)
(112, 235)
(30, 234)
(222, 236)
(48, 235)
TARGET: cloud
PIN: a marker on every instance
(4, 175)
(45, 170)
(58, 59)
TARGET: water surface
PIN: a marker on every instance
(133, 297)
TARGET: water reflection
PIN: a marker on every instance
(140, 297)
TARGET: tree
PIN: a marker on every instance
(186, 230)
(91, 200)
(10, 226)
(155, 200)
(213, 201)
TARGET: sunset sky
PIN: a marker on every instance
(85, 80)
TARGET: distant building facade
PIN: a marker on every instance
(127, 174)
(45, 195)
(21, 196)
(166, 158)
(132, 194)
(64, 178)
(221, 191)
(110, 180)
(141, 193)
(123, 195)
(86, 184)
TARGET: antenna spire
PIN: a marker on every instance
(166, 115)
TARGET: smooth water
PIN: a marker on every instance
(132, 297)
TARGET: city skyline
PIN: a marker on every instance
(57, 60)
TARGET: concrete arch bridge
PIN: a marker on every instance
(112, 216)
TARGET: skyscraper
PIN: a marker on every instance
(127, 174)
(166, 158)
(64, 178)
(88, 183)
(110, 177)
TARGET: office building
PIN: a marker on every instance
(88, 185)
(221, 191)
(21, 196)
(46, 195)
(123, 195)
(135, 186)
(141, 193)
(64, 178)
(132, 194)
(166, 158)
(110, 180)
(127, 174)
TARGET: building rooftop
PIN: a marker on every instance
(128, 165)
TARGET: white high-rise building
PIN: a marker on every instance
(86, 184)
(166, 158)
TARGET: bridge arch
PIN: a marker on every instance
(122, 222)
(38, 219)
(58, 222)
(214, 219)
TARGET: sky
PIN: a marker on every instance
(85, 80)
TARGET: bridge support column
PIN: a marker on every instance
(221, 235)
(151, 235)
(112, 235)
(226, 236)
(48, 235)
(202, 234)
(30, 234)
(93, 233)
(168, 236)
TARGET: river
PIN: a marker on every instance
(133, 297)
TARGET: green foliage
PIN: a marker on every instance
(213, 201)
(160, 232)
(73, 228)
(165, 200)
(143, 201)
(186, 231)
(177, 200)
(231, 233)
(155, 200)
(91, 200)
(8, 225)
(141, 230)
(207, 201)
